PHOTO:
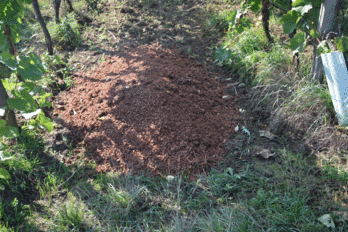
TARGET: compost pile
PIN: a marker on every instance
(149, 109)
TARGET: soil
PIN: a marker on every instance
(149, 109)
(157, 104)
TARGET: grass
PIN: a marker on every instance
(66, 33)
(286, 193)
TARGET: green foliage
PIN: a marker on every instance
(254, 5)
(298, 42)
(220, 21)
(314, 34)
(242, 55)
(22, 101)
(342, 43)
(231, 219)
(285, 211)
(72, 216)
(289, 21)
(303, 9)
(8, 59)
(223, 55)
(42, 120)
(28, 69)
(323, 47)
(315, 3)
(66, 33)
(7, 131)
(336, 174)
(13, 213)
(226, 182)
(296, 18)
(55, 66)
(4, 177)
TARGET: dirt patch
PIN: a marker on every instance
(149, 109)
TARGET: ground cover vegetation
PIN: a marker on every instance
(285, 168)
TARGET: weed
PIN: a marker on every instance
(66, 34)
(13, 213)
(337, 174)
(72, 216)
(231, 218)
(56, 67)
(288, 211)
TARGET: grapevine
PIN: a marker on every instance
(23, 92)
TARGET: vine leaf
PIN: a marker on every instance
(322, 48)
(42, 101)
(244, 23)
(298, 42)
(315, 3)
(8, 85)
(10, 11)
(22, 101)
(30, 67)
(15, 37)
(342, 43)
(45, 122)
(8, 59)
(233, 18)
(3, 45)
(314, 34)
(303, 9)
(289, 21)
(255, 5)
(223, 55)
(8, 131)
(29, 86)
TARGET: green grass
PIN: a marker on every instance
(65, 33)
(226, 200)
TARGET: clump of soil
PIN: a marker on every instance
(149, 109)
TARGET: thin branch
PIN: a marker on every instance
(113, 35)
(280, 8)
(310, 16)
(8, 33)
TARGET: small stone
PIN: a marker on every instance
(267, 134)
(265, 153)
(60, 107)
(119, 97)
